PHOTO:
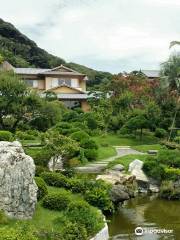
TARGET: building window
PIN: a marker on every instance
(64, 81)
(32, 83)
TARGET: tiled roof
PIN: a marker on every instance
(54, 71)
(151, 73)
(30, 70)
(63, 73)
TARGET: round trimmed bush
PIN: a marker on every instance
(88, 143)
(79, 136)
(85, 215)
(57, 201)
(91, 154)
(160, 133)
(74, 231)
(42, 188)
(6, 136)
(55, 179)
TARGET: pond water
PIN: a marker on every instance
(148, 212)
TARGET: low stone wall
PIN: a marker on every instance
(103, 234)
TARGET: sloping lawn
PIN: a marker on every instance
(107, 142)
(116, 140)
(145, 148)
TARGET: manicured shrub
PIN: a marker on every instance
(85, 215)
(92, 123)
(33, 132)
(24, 136)
(71, 116)
(99, 196)
(42, 188)
(57, 201)
(77, 185)
(68, 172)
(91, 154)
(39, 170)
(154, 169)
(55, 179)
(79, 136)
(17, 233)
(88, 143)
(6, 136)
(172, 173)
(160, 133)
(73, 230)
(170, 158)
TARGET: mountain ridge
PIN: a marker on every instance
(21, 51)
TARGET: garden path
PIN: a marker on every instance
(99, 166)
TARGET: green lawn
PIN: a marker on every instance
(126, 160)
(106, 143)
(44, 218)
(116, 140)
(145, 148)
(106, 152)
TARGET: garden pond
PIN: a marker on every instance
(148, 212)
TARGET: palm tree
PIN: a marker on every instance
(170, 78)
(173, 43)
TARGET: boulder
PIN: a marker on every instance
(119, 193)
(152, 152)
(115, 177)
(136, 164)
(18, 190)
(55, 164)
(118, 167)
(135, 168)
(112, 179)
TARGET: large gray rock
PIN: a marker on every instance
(118, 167)
(55, 164)
(136, 164)
(135, 168)
(18, 190)
(119, 193)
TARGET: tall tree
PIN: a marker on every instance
(17, 101)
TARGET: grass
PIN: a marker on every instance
(106, 143)
(126, 160)
(116, 140)
(145, 148)
(106, 152)
(44, 218)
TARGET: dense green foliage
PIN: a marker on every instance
(164, 166)
(170, 191)
(20, 233)
(57, 201)
(42, 188)
(95, 192)
(85, 215)
(6, 136)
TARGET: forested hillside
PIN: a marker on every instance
(21, 51)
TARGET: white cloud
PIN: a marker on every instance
(111, 35)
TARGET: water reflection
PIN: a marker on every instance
(148, 212)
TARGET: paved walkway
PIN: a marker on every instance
(99, 166)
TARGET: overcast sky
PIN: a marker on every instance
(109, 35)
